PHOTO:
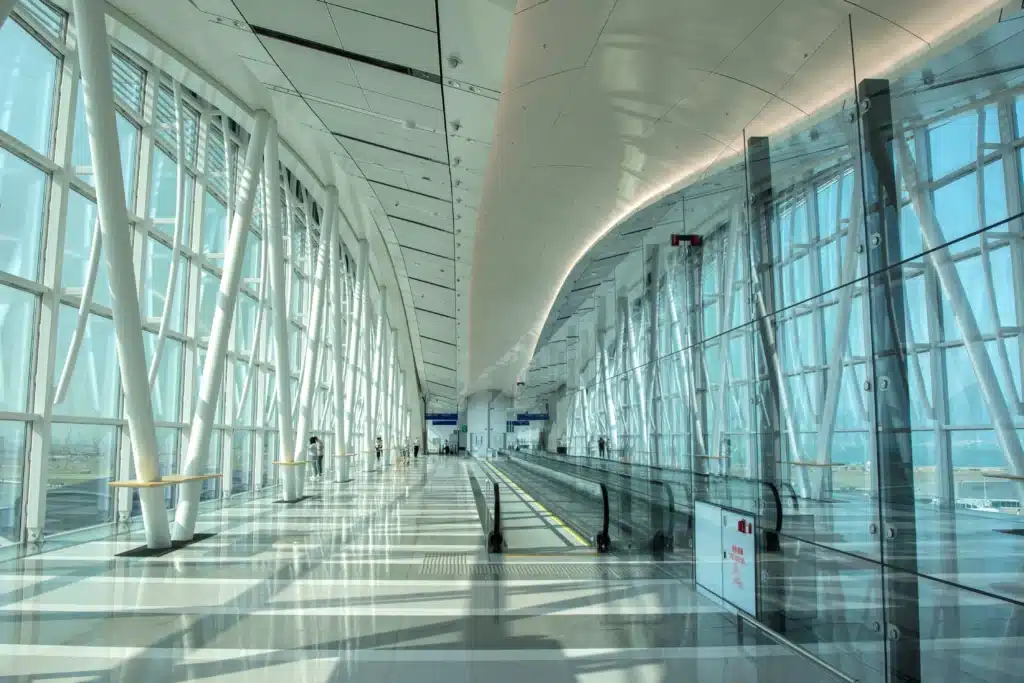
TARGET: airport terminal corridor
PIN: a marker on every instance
(383, 578)
(512, 341)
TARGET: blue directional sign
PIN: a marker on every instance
(442, 416)
(532, 417)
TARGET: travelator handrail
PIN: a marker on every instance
(673, 475)
(667, 535)
(662, 536)
(492, 522)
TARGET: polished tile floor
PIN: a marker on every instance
(382, 578)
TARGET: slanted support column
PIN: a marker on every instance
(279, 302)
(311, 366)
(338, 314)
(374, 359)
(356, 334)
(94, 54)
(213, 370)
(890, 387)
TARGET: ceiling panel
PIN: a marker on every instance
(392, 158)
(242, 42)
(417, 201)
(267, 73)
(441, 389)
(436, 326)
(307, 19)
(370, 128)
(415, 207)
(474, 113)
(472, 156)
(432, 297)
(387, 82)
(440, 271)
(382, 174)
(436, 184)
(386, 40)
(309, 67)
(437, 352)
(438, 373)
(420, 13)
(420, 115)
(422, 238)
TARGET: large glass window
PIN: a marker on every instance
(12, 466)
(22, 210)
(158, 271)
(163, 195)
(82, 461)
(17, 339)
(167, 387)
(28, 79)
(80, 231)
(94, 390)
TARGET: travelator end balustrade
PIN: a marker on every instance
(491, 521)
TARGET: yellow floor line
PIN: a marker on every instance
(531, 499)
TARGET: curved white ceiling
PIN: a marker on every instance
(396, 100)
(609, 104)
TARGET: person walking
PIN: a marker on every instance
(379, 447)
(316, 454)
(416, 449)
(600, 446)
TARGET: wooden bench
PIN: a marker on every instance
(1003, 475)
(168, 480)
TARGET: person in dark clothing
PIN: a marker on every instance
(379, 448)
(316, 452)
(416, 450)
(600, 446)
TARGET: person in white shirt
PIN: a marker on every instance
(316, 454)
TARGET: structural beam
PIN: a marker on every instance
(338, 313)
(889, 383)
(213, 370)
(94, 54)
(311, 366)
(279, 289)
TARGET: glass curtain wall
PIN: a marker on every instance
(848, 329)
(47, 226)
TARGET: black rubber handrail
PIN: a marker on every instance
(604, 540)
(495, 539)
(771, 487)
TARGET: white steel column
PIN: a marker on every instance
(311, 366)
(392, 384)
(373, 361)
(355, 336)
(94, 54)
(279, 280)
(213, 370)
(337, 320)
